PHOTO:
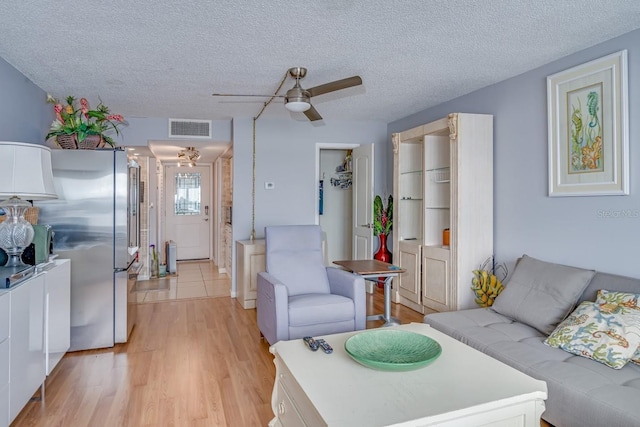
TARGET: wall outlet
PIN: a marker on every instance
(269, 185)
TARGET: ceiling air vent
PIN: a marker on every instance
(185, 128)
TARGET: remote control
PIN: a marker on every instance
(311, 343)
(325, 346)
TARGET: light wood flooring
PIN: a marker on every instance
(189, 362)
(192, 362)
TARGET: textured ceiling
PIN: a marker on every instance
(165, 58)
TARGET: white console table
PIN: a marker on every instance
(462, 388)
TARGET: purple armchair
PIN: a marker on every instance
(298, 296)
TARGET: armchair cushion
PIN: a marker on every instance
(295, 258)
(310, 309)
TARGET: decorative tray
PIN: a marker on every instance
(392, 350)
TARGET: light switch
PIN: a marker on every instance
(269, 185)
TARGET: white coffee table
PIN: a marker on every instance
(463, 387)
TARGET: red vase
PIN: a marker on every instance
(383, 255)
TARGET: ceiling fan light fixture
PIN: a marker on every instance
(297, 106)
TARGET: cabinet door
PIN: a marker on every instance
(409, 282)
(435, 278)
(250, 261)
(58, 312)
(27, 371)
(5, 310)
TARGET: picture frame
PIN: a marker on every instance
(588, 126)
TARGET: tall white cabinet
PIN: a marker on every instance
(443, 179)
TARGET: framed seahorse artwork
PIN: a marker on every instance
(588, 139)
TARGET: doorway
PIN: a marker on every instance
(187, 210)
(335, 203)
(345, 200)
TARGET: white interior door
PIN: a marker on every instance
(187, 210)
(362, 166)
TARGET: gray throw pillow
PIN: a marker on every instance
(541, 294)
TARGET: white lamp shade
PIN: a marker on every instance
(25, 171)
(297, 106)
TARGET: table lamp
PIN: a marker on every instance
(25, 174)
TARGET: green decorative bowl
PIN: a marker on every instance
(392, 350)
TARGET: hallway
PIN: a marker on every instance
(194, 279)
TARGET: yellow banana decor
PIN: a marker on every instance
(486, 285)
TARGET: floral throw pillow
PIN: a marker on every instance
(629, 301)
(607, 336)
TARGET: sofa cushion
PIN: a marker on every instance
(608, 336)
(542, 294)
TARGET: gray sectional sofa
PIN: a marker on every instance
(582, 392)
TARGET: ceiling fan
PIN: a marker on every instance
(298, 100)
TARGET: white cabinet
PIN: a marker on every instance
(443, 179)
(250, 260)
(5, 342)
(57, 312)
(35, 319)
(27, 366)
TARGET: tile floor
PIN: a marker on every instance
(194, 279)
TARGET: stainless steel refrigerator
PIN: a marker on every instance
(96, 225)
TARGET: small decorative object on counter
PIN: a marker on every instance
(486, 284)
(78, 127)
(445, 237)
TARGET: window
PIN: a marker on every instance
(187, 195)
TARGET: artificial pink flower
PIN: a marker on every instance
(84, 104)
(58, 109)
(116, 117)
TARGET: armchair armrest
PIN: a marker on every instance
(272, 308)
(352, 286)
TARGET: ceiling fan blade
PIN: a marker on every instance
(234, 94)
(246, 101)
(335, 85)
(312, 114)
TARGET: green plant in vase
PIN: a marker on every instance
(78, 126)
(382, 226)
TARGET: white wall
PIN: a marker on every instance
(143, 129)
(569, 230)
(285, 155)
(25, 115)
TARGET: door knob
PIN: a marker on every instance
(367, 225)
